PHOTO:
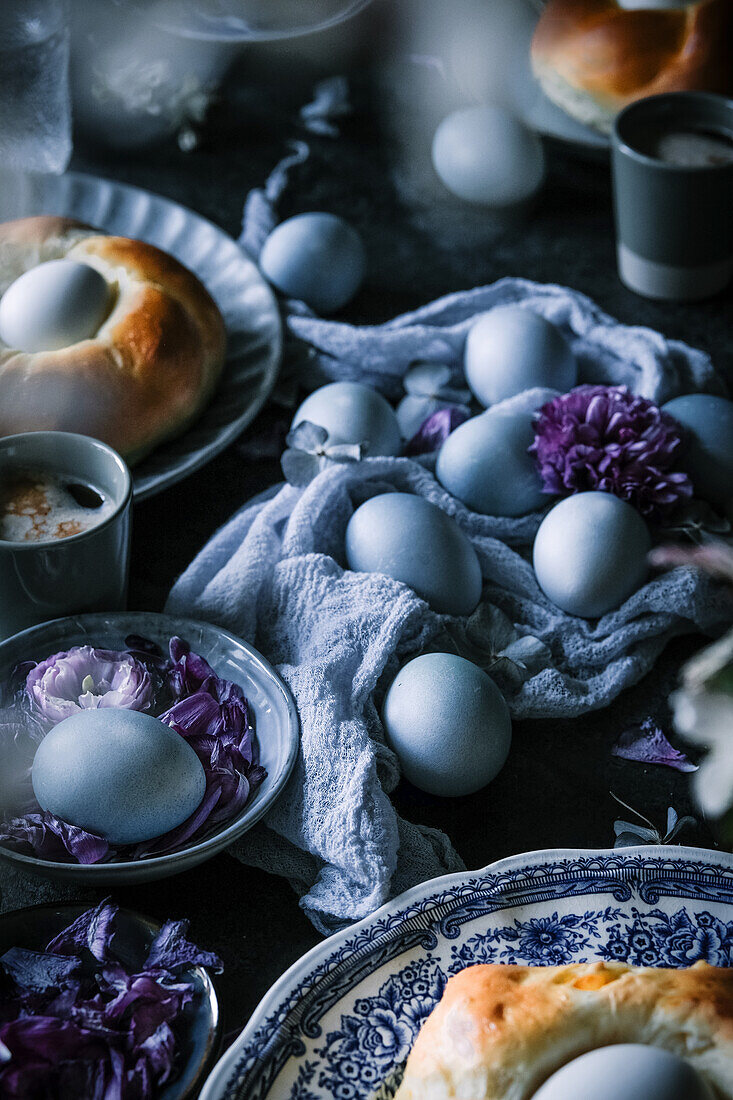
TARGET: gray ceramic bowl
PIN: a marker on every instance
(199, 1026)
(276, 727)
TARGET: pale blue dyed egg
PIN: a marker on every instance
(412, 540)
(626, 1071)
(53, 305)
(590, 553)
(511, 349)
(485, 463)
(118, 773)
(448, 724)
(708, 453)
(485, 155)
(352, 413)
(318, 258)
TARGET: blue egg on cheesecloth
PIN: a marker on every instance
(278, 573)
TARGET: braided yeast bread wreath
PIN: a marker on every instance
(593, 57)
(152, 364)
(500, 1031)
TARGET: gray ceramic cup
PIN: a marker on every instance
(88, 571)
(674, 220)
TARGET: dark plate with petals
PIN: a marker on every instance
(275, 719)
(198, 1028)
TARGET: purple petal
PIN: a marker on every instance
(159, 1050)
(92, 930)
(172, 950)
(37, 971)
(46, 836)
(434, 431)
(198, 714)
(647, 744)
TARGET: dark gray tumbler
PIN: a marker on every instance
(674, 221)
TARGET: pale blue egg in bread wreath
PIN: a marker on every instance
(628, 1071)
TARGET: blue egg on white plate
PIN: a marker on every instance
(485, 463)
(412, 540)
(448, 723)
(485, 155)
(626, 1071)
(318, 258)
(353, 413)
(708, 452)
(120, 774)
(53, 305)
(511, 349)
(590, 553)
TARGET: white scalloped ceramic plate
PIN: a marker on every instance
(340, 1023)
(249, 308)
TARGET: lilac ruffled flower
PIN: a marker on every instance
(86, 678)
(608, 439)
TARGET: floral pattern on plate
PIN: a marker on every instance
(341, 1022)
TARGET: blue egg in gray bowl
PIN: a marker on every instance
(106, 777)
(197, 1029)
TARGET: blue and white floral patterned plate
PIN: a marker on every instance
(341, 1021)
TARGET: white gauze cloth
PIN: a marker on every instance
(275, 575)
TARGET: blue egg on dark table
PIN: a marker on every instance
(119, 774)
(448, 723)
(485, 155)
(316, 257)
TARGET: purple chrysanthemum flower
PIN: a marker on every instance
(606, 438)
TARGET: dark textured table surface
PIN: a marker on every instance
(555, 788)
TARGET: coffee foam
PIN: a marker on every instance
(38, 507)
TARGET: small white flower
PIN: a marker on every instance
(428, 388)
(489, 639)
(629, 833)
(309, 453)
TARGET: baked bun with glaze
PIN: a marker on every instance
(500, 1031)
(593, 57)
(152, 364)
